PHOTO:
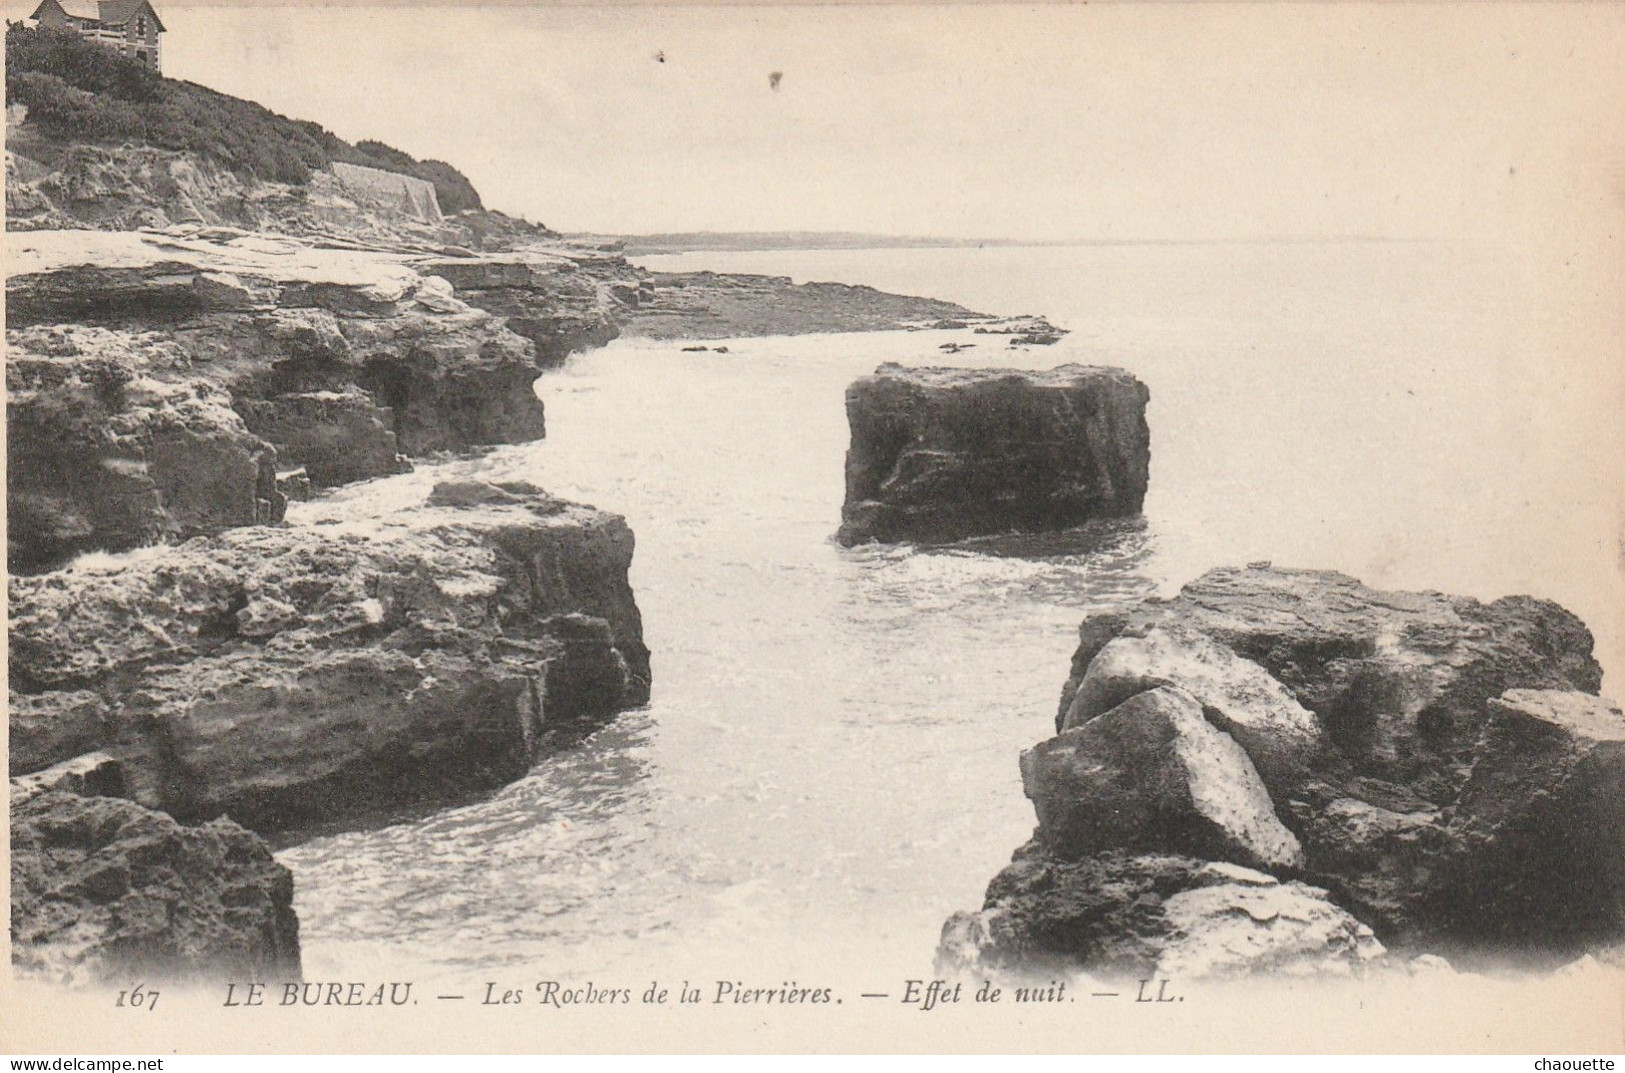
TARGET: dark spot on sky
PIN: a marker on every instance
(774, 78)
(660, 57)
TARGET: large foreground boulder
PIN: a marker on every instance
(1118, 915)
(293, 676)
(104, 890)
(942, 454)
(1443, 764)
(1398, 682)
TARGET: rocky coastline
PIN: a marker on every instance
(188, 349)
(1288, 771)
(191, 675)
(211, 675)
(1275, 771)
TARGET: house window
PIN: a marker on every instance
(141, 30)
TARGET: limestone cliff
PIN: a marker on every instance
(158, 380)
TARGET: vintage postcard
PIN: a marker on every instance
(542, 528)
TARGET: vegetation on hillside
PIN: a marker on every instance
(76, 91)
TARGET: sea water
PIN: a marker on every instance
(828, 766)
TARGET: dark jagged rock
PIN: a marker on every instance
(293, 676)
(104, 890)
(1452, 779)
(1121, 916)
(943, 454)
(1541, 823)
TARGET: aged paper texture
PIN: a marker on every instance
(301, 593)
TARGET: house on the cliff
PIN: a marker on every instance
(131, 27)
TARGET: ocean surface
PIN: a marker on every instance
(828, 768)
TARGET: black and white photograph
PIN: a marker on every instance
(1082, 527)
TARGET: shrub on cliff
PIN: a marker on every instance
(63, 110)
(77, 91)
(79, 63)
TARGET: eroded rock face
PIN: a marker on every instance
(335, 436)
(105, 890)
(942, 454)
(1152, 773)
(1542, 823)
(1444, 765)
(562, 301)
(292, 676)
(102, 455)
(1118, 915)
(158, 381)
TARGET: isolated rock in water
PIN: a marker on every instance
(1281, 736)
(1153, 774)
(1542, 822)
(103, 890)
(292, 676)
(941, 454)
(1121, 916)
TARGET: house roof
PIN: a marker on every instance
(119, 12)
(78, 9)
(109, 12)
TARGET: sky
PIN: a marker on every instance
(1055, 122)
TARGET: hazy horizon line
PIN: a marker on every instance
(901, 240)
